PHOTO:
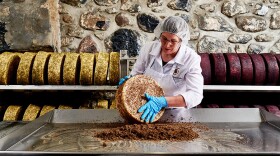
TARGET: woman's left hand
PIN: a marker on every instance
(152, 107)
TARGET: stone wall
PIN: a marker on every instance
(241, 26)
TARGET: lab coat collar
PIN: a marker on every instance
(179, 58)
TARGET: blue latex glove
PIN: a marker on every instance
(152, 107)
(122, 80)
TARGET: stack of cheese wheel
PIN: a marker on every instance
(12, 113)
(87, 66)
(8, 68)
(31, 112)
(39, 70)
(46, 109)
(101, 68)
(55, 68)
(71, 69)
(114, 68)
(25, 68)
(130, 97)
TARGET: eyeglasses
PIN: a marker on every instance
(164, 40)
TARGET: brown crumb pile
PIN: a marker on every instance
(155, 132)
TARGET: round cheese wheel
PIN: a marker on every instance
(12, 113)
(87, 68)
(259, 69)
(247, 71)
(46, 109)
(130, 97)
(101, 68)
(55, 68)
(114, 72)
(272, 69)
(218, 67)
(31, 112)
(71, 69)
(25, 68)
(206, 68)
(39, 70)
(233, 68)
(8, 68)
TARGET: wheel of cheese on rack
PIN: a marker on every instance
(218, 67)
(39, 70)
(87, 68)
(46, 109)
(12, 113)
(130, 97)
(277, 56)
(55, 68)
(31, 112)
(102, 104)
(206, 68)
(25, 68)
(233, 68)
(247, 74)
(64, 107)
(113, 104)
(71, 69)
(114, 72)
(8, 68)
(272, 69)
(259, 69)
(101, 68)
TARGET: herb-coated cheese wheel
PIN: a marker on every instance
(87, 68)
(46, 109)
(71, 69)
(55, 68)
(25, 68)
(206, 68)
(8, 68)
(31, 112)
(247, 72)
(130, 97)
(101, 68)
(39, 70)
(12, 113)
(114, 72)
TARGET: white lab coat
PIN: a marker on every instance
(180, 76)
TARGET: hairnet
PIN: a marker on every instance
(174, 25)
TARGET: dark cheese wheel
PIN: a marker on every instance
(218, 68)
(272, 108)
(259, 69)
(277, 56)
(247, 72)
(206, 68)
(272, 69)
(233, 68)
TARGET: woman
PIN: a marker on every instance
(174, 65)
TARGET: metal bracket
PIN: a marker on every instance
(126, 63)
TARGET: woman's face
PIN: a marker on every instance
(170, 43)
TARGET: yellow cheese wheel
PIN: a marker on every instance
(39, 70)
(31, 112)
(46, 109)
(102, 104)
(71, 69)
(64, 107)
(25, 68)
(101, 68)
(8, 68)
(12, 113)
(114, 72)
(113, 104)
(87, 68)
(55, 66)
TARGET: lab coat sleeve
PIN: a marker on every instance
(194, 89)
(140, 65)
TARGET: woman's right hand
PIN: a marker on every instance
(122, 80)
